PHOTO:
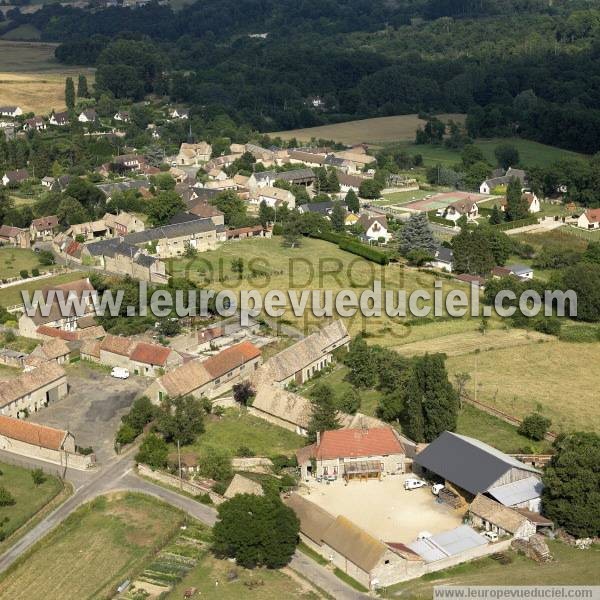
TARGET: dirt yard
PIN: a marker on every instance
(384, 508)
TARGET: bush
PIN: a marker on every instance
(153, 452)
(126, 434)
(24, 273)
(35, 272)
(6, 498)
(46, 258)
(245, 452)
(550, 326)
(372, 254)
(534, 426)
(38, 476)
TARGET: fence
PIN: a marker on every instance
(550, 436)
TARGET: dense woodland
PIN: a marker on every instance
(525, 67)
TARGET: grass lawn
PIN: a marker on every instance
(315, 265)
(20, 344)
(14, 260)
(554, 377)
(95, 549)
(237, 428)
(12, 295)
(29, 498)
(583, 234)
(401, 197)
(570, 567)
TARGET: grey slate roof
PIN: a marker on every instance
(322, 208)
(183, 217)
(171, 231)
(444, 254)
(467, 462)
(121, 186)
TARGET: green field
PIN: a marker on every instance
(556, 378)
(401, 197)
(569, 567)
(23, 32)
(14, 260)
(29, 498)
(315, 265)
(532, 154)
(12, 295)
(95, 549)
(237, 428)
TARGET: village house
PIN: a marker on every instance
(127, 162)
(268, 178)
(533, 202)
(122, 223)
(179, 113)
(489, 515)
(352, 454)
(41, 442)
(353, 550)
(443, 259)
(88, 116)
(217, 174)
(500, 180)
(470, 467)
(11, 111)
(32, 390)
(60, 119)
(43, 228)
(355, 162)
(89, 230)
(35, 124)
(122, 116)
(204, 210)
(273, 197)
(110, 189)
(590, 219)
(375, 228)
(460, 208)
(80, 290)
(321, 208)
(194, 154)
(349, 182)
(310, 159)
(14, 178)
(301, 361)
(117, 256)
(55, 350)
(221, 184)
(210, 377)
(14, 236)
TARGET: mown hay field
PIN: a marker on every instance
(376, 131)
(30, 76)
(94, 550)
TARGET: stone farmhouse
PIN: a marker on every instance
(273, 197)
(33, 390)
(210, 377)
(81, 292)
(301, 361)
(485, 513)
(352, 454)
(353, 550)
(14, 236)
(123, 223)
(41, 442)
(141, 358)
(54, 349)
(470, 467)
(194, 154)
(43, 228)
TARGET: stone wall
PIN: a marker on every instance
(189, 487)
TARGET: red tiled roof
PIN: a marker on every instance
(210, 334)
(31, 433)
(73, 248)
(55, 332)
(347, 443)
(501, 271)
(116, 344)
(471, 278)
(45, 222)
(8, 231)
(593, 215)
(151, 354)
(230, 358)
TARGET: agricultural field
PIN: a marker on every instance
(569, 567)
(29, 498)
(15, 260)
(532, 154)
(31, 78)
(315, 265)
(377, 131)
(12, 295)
(22, 32)
(237, 428)
(553, 377)
(109, 540)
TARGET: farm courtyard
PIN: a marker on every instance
(384, 508)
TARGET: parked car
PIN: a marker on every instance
(120, 373)
(436, 488)
(491, 535)
(413, 484)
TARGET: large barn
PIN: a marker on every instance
(470, 467)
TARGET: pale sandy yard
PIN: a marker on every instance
(384, 508)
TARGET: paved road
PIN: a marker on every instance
(119, 475)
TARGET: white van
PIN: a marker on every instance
(413, 484)
(436, 488)
(491, 535)
(120, 373)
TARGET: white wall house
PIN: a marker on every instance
(590, 219)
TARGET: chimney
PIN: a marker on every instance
(318, 438)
